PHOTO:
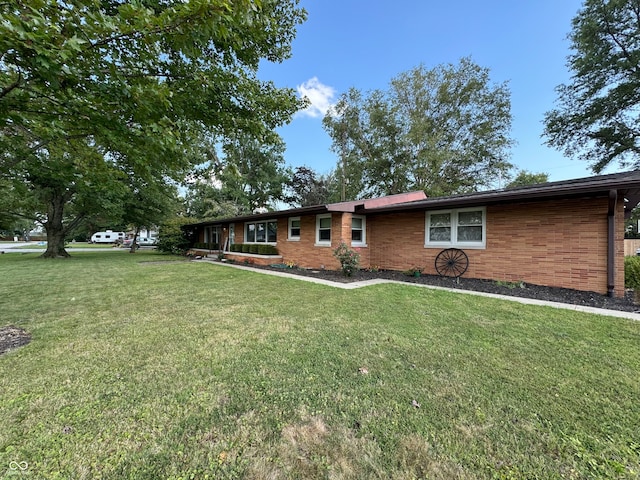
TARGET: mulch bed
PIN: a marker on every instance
(514, 289)
(13, 337)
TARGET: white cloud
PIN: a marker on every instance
(320, 97)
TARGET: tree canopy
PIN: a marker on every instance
(443, 130)
(306, 188)
(597, 117)
(253, 173)
(524, 177)
(93, 93)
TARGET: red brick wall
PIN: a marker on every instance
(303, 252)
(554, 243)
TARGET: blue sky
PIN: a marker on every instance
(364, 44)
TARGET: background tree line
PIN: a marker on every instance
(444, 131)
(106, 109)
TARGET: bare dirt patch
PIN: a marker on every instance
(12, 337)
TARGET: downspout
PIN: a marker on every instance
(611, 253)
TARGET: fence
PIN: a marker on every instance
(630, 247)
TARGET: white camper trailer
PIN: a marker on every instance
(107, 237)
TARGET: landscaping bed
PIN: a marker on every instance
(514, 289)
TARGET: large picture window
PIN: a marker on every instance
(261, 232)
(456, 228)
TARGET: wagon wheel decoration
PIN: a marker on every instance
(452, 262)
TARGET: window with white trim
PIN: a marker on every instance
(261, 232)
(464, 227)
(323, 230)
(294, 228)
(358, 230)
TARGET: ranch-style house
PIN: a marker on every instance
(562, 234)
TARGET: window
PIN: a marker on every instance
(261, 232)
(212, 235)
(323, 230)
(294, 228)
(272, 230)
(461, 228)
(358, 231)
(250, 233)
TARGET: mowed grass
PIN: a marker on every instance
(70, 245)
(144, 367)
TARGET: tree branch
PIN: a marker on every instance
(632, 64)
(8, 89)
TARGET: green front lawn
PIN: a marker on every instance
(145, 367)
(70, 245)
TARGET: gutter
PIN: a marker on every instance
(611, 251)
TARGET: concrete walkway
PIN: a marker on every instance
(366, 283)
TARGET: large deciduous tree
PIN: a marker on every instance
(306, 188)
(93, 92)
(597, 117)
(249, 176)
(443, 130)
(148, 204)
(253, 173)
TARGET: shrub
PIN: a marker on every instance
(253, 248)
(236, 247)
(245, 248)
(414, 271)
(80, 237)
(632, 272)
(173, 238)
(267, 250)
(349, 259)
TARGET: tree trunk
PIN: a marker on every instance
(135, 239)
(55, 228)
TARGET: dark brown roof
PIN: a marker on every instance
(351, 206)
(627, 184)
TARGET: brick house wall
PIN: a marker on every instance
(558, 243)
(304, 252)
(553, 243)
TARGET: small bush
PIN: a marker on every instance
(632, 272)
(245, 248)
(236, 247)
(267, 250)
(254, 248)
(349, 259)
